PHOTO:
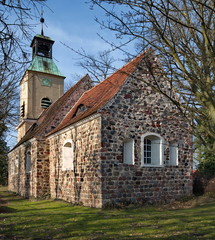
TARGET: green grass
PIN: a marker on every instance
(40, 220)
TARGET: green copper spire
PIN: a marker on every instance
(46, 65)
(42, 56)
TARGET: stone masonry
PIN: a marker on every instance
(83, 185)
(100, 177)
(137, 109)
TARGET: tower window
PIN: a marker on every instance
(44, 50)
(45, 103)
(22, 110)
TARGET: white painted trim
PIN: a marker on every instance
(161, 150)
(175, 156)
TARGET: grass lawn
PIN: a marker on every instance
(40, 220)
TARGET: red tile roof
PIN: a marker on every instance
(99, 95)
(52, 116)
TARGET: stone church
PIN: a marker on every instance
(119, 141)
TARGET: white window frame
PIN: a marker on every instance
(154, 137)
(128, 154)
(173, 154)
(68, 152)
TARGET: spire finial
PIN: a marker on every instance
(42, 20)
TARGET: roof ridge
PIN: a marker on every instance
(96, 98)
(117, 71)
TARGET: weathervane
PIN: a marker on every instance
(42, 20)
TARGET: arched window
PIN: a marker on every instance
(45, 102)
(128, 151)
(152, 150)
(68, 156)
(173, 154)
(28, 161)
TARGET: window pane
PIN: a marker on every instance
(153, 150)
(128, 151)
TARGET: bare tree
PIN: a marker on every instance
(16, 22)
(182, 34)
(97, 66)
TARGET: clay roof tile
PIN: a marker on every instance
(99, 95)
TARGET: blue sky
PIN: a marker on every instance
(73, 23)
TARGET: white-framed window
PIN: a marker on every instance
(152, 150)
(28, 161)
(128, 151)
(173, 154)
(68, 155)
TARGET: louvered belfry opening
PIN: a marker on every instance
(45, 103)
(22, 110)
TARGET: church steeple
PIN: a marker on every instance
(41, 85)
(42, 46)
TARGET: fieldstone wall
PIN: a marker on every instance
(134, 111)
(16, 171)
(36, 183)
(18, 179)
(33, 184)
(82, 185)
(41, 180)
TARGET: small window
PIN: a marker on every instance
(173, 154)
(22, 110)
(128, 151)
(68, 156)
(45, 103)
(81, 108)
(152, 150)
(28, 161)
(44, 50)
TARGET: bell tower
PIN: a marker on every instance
(41, 85)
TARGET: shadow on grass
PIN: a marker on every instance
(5, 209)
(55, 220)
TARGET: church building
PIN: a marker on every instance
(117, 142)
